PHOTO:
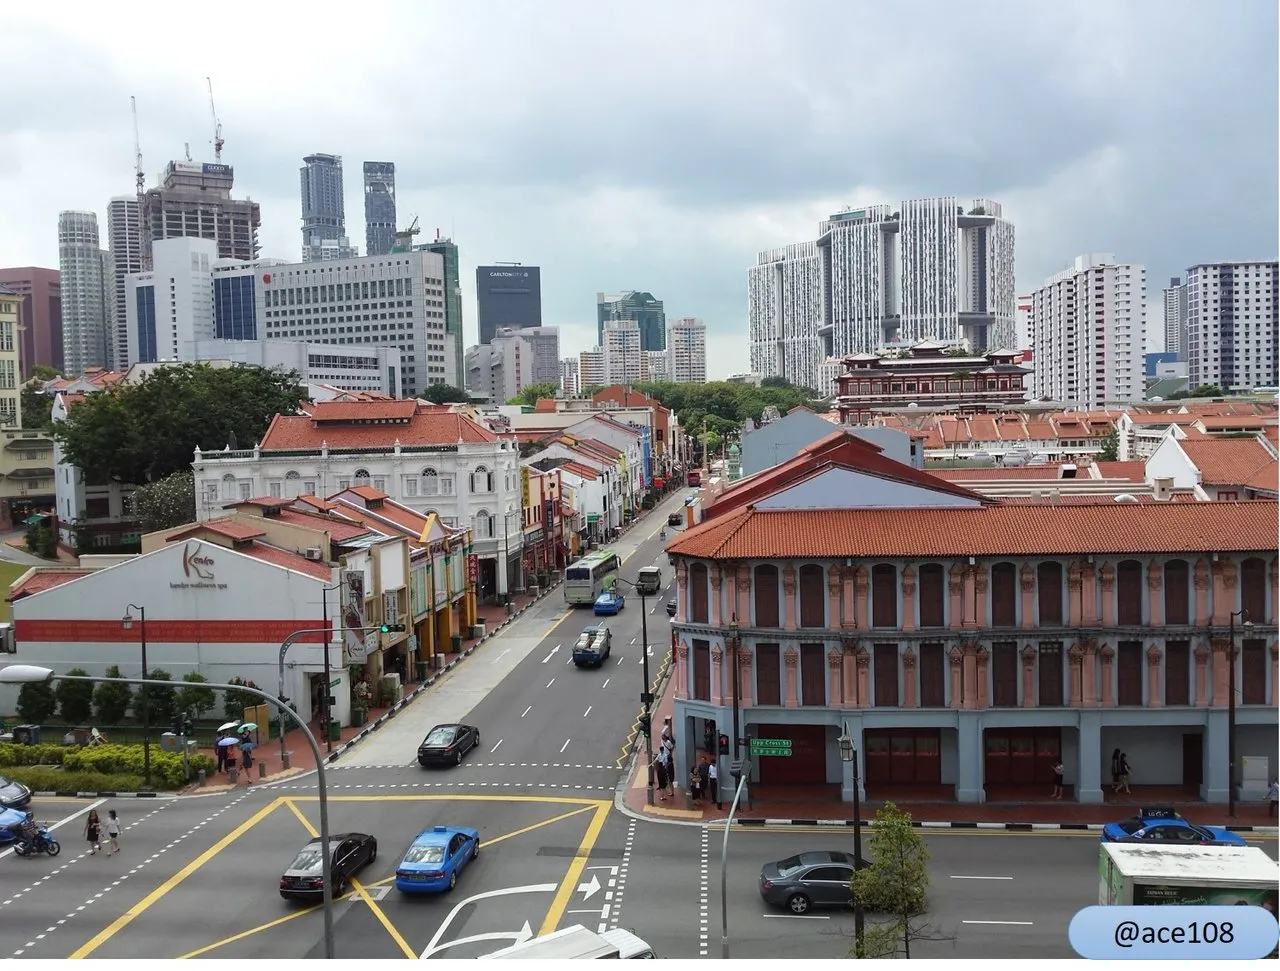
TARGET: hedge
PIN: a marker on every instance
(124, 760)
(47, 778)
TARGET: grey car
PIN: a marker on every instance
(817, 879)
(13, 795)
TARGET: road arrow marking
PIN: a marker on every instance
(589, 889)
(435, 944)
(551, 655)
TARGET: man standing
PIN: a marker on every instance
(713, 780)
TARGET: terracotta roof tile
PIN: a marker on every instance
(44, 580)
(338, 530)
(1031, 529)
(287, 559)
(227, 526)
(1272, 434)
(1226, 461)
(1266, 478)
(1048, 473)
(1215, 423)
(580, 470)
(355, 425)
(346, 411)
(1132, 471)
(1166, 419)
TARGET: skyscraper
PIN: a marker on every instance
(448, 251)
(194, 199)
(83, 268)
(124, 233)
(625, 362)
(644, 308)
(160, 328)
(507, 296)
(686, 351)
(324, 221)
(1175, 317)
(39, 317)
(379, 207)
(1233, 325)
(544, 347)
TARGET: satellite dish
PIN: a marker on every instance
(1156, 398)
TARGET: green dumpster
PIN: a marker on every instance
(456, 643)
(335, 730)
(420, 670)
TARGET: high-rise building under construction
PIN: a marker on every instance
(194, 199)
(379, 207)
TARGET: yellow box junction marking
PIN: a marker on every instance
(570, 882)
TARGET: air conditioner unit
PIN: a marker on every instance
(314, 553)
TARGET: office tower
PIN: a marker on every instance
(591, 369)
(124, 235)
(569, 385)
(1232, 323)
(194, 199)
(340, 302)
(927, 269)
(324, 221)
(687, 351)
(447, 250)
(644, 308)
(544, 344)
(171, 305)
(379, 207)
(625, 362)
(500, 370)
(83, 272)
(1175, 318)
(508, 295)
(39, 316)
(237, 295)
(1089, 325)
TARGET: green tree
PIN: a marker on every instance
(112, 699)
(894, 884)
(193, 697)
(159, 702)
(235, 702)
(36, 702)
(1206, 391)
(75, 699)
(167, 502)
(443, 394)
(37, 406)
(1110, 451)
(143, 432)
(41, 540)
(531, 394)
(590, 391)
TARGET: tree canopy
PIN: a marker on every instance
(167, 502)
(894, 884)
(443, 394)
(531, 394)
(143, 432)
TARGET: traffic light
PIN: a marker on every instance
(392, 628)
(646, 726)
(724, 742)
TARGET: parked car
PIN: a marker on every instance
(447, 744)
(1163, 824)
(435, 858)
(816, 879)
(349, 854)
(13, 795)
(609, 603)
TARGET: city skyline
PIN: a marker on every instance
(609, 220)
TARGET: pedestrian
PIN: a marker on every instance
(93, 832)
(1115, 771)
(1124, 774)
(660, 777)
(220, 752)
(246, 759)
(113, 832)
(1058, 770)
(1273, 794)
(695, 784)
(704, 778)
(713, 780)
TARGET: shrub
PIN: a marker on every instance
(48, 779)
(36, 702)
(46, 754)
(153, 702)
(111, 701)
(75, 699)
(166, 767)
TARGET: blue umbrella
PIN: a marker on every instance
(224, 742)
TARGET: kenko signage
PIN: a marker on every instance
(197, 570)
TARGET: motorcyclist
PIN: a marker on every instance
(662, 533)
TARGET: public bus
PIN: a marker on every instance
(587, 578)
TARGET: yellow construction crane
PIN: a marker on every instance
(137, 149)
(218, 140)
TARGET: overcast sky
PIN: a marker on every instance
(660, 146)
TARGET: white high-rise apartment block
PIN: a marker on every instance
(544, 343)
(927, 269)
(170, 306)
(624, 360)
(501, 369)
(659, 365)
(124, 234)
(1089, 330)
(569, 384)
(1175, 318)
(1233, 316)
(397, 300)
(375, 369)
(687, 350)
(1022, 325)
(86, 294)
(591, 369)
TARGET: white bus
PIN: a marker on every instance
(587, 578)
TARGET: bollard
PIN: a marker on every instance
(284, 760)
(200, 777)
(233, 773)
(262, 768)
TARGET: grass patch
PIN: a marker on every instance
(47, 778)
(9, 572)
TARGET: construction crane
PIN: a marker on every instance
(138, 174)
(218, 140)
(403, 240)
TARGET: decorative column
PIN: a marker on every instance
(682, 592)
(849, 616)
(1108, 654)
(984, 657)
(743, 588)
(716, 675)
(745, 672)
(1027, 580)
(908, 598)
(1089, 668)
(833, 597)
(955, 586)
(1089, 595)
(970, 577)
(730, 574)
(861, 613)
(981, 581)
(1202, 674)
(1225, 580)
(1275, 590)
(1154, 697)
(864, 678)
(1108, 583)
(789, 658)
(957, 692)
(970, 679)
(1074, 586)
(682, 670)
(717, 585)
(789, 597)
(726, 695)
(1074, 675)
(1155, 596)
(1200, 618)
(834, 685)
(1219, 671)
(849, 670)
(909, 699)
(1029, 676)
(1275, 674)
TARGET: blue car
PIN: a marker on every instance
(434, 860)
(609, 603)
(10, 821)
(1163, 825)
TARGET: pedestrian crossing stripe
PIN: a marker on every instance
(486, 765)
(444, 785)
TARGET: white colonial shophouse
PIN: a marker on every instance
(431, 458)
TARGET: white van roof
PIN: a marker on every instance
(569, 943)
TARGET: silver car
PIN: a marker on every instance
(817, 879)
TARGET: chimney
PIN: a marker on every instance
(1162, 489)
(1056, 497)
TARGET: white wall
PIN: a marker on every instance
(1154, 753)
(1170, 462)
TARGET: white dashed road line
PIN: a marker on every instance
(624, 866)
(703, 895)
(453, 785)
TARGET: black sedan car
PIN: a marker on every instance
(13, 795)
(447, 744)
(349, 853)
(672, 607)
(817, 879)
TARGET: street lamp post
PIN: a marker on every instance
(27, 673)
(743, 773)
(849, 754)
(646, 690)
(1231, 707)
(127, 624)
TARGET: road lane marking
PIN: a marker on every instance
(704, 893)
(501, 656)
(606, 683)
(797, 916)
(571, 879)
(145, 904)
(551, 655)
(360, 890)
(584, 715)
(633, 640)
(1002, 923)
(435, 945)
(551, 682)
(61, 822)
(981, 878)
(495, 748)
(564, 746)
(620, 659)
(526, 711)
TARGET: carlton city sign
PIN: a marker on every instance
(197, 570)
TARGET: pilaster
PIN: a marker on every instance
(1108, 655)
(1075, 657)
(682, 670)
(909, 699)
(1029, 676)
(970, 680)
(861, 612)
(717, 675)
(1155, 595)
(834, 699)
(717, 594)
(864, 678)
(981, 583)
(746, 669)
(1202, 674)
(1027, 584)
(984, 681)
(1089, 668)
(790, 658)
(1225, 583)
(1200, 617)
(789, 597)
(743, 587)
(1089, 594)
(908, 598)
(682, 593)
(1275, 674)
(1154, 698)
(1107, 580)
(833, 597)
(849, 615)
(955, 587)
(849, 672)
(1074, 587)
(1221, 662)
(957, 690)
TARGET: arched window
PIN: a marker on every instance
(228, 486)
(813, 598)
(1049, 581)
(932, 595)
(765, 592)
(698, 593)
(292, 485)
(1253, 590)
(430, 482)
(361, 477)
(1129, 593)
(484, 525)
(481, 480)
(1177, 592)
(1004, 595)
(884, 595)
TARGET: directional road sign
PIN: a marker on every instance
(770, 746)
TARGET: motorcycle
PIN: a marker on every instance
(35, 839)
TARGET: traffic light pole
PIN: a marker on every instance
(646, 694)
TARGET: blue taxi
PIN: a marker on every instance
(435, 858)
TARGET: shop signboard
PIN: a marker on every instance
(473, 568)
(355, 644)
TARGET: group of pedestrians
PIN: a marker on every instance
(227, 756)
(704, 778)
(93, 829)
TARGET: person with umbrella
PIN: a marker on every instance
(246, 750)
(225, 747)
(222, 742)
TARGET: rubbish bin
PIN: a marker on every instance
(335, 730)
(455, 643)
(357, 717)
(420, 671)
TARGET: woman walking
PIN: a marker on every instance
(113, 831)
(1115, 771)
(1124, 774)
(660, 776)
(93, 832)
(1058, 770)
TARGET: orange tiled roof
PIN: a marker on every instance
(44, 580)
(1213, 423)
(1031, 529)
(1132, 471)
(352, 425)
(365, 410)
(1165, 419)
(1226, 461)
(1045, 472)
(228, 526)
(1272, 434)
(1265, 479)
(580, 470)
(339, 531)
(287, 559)
(1205, 409)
